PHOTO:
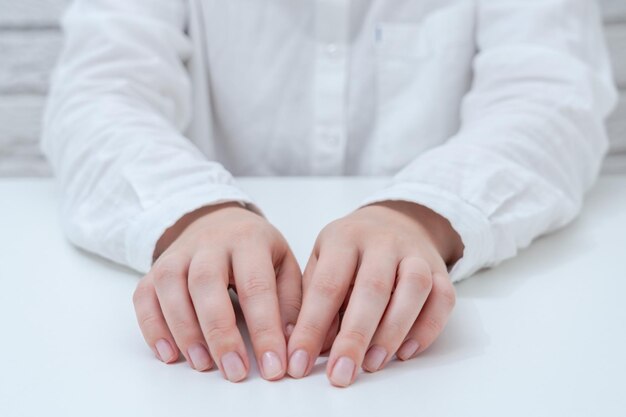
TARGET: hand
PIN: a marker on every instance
(184, 303)
(387, 263)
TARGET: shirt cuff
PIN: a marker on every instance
(468, 221)
(149, 226)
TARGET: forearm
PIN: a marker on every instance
(106, 129)
(531, 139)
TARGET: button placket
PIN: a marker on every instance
(332, 25)
(331, 49)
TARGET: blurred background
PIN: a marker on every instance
(30, 40)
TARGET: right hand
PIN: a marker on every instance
(183, 302)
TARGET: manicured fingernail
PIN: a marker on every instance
(342, 372)
(271, 365)
(199, 356)
(407, 349)
(164, 349)
(233, 367)
(289, 329)
(374, 358)
(298, 363)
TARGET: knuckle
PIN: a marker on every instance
(197, 284)
(150, 322)
(329, 229)
(377, 285)
(253, 287)
(201, 264)
(433, 324)
(448, 296)
(168, 269)
(326, 286)
(291, 304)
(416, 263)
(418, 271)
(313, 330)
(219, 329)
(339, 227)
(181, 326)
(356, 336)
(201, 282)
(348, 228)
(142, 291)
(423, 281)
(262, 330)
(395, 327)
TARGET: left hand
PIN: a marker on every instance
(385, 265)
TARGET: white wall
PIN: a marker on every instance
(615, 29)
(30, 40)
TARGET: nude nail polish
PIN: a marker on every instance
(374, 358)
(164, 349)
(298, 363)
(271, 365)
(233, 367)
(408, 349)
(199, 357)
(342, 372)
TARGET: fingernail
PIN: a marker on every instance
(164, 349)
(298, 363)
(271, 365)
(374, 358)
(342, 372)
(289, 329)
(407, 349)
(233, 367)
(199, 357)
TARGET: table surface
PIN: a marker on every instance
(542, 334)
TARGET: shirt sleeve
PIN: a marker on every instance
(119, 100)
(532, 134)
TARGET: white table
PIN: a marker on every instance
(541, 335)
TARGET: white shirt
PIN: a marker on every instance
(489, 112)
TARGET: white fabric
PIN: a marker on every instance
(490, 112)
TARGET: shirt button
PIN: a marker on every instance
(332, 49)
(332, 139)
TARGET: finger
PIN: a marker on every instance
(289, 288)
(413, 287)
(308, 272)
(152, 323)
(369, 299)
(208, 287)
(334, 327)
(432, 319)
(306, 279)
(330, 336)
(346, 300)
(328, 285)
(170, 282)
(256, 287)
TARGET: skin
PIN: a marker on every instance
(376, 285)
(385, 265)
(183, 302)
